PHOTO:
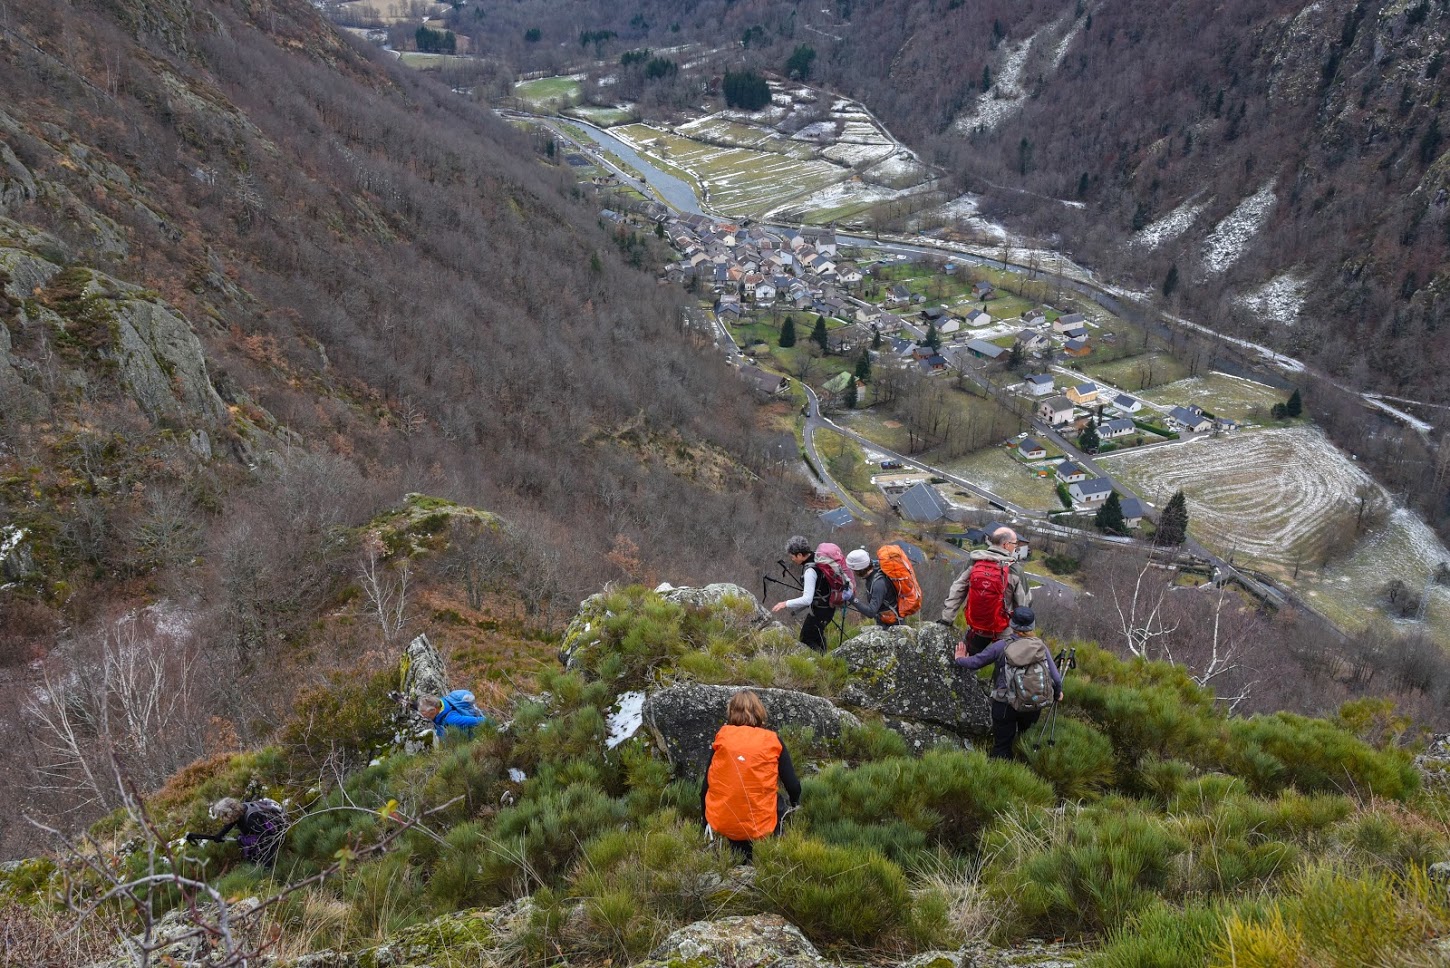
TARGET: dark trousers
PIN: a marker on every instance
(977, 641)
(813, 629)
(1007, 725)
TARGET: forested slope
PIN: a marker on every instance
(259, 284)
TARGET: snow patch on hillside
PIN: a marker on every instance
(1169, 227)
(1066, 43)
(854, 154)
(1280, 299)
(1226, 243)
(1006, 96)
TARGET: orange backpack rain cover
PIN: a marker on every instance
(740, 804)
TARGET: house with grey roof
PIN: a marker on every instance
(921, 503)
(1076, 347)
(1126, 404)
(1190, 419)
(1133, 511)
(1070, 321)
(837, 518)
(1121, 427)
(1056, 411)
(1031, 340)
(1032, 449)
(767, 384)
(1068, 472)
(978, 318)
(1039, 385)
(1082, 394)
(984, 350)
(1095, 491)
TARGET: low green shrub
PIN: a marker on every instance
(1078, 761)
(1280, 750)
(535, 842)
(868, 742)
(946, 796)
(1164, 936)
(1161, 780)
(345, 718)
(1086, 873)
(1391, 837)
(834, 894)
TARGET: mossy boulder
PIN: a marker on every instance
(907, 674)
(683, 719)
(757, 941)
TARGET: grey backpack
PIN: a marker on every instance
(1029, 680)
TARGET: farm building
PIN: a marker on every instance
(978, 318)
(984, 350)
(1076, 347)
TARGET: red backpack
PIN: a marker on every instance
(986, 609)
(896, 566)
(840, 581)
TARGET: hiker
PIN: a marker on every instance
(739, 797)
(456, 710)
(987, 591)
(1025, 680)
(261, 825)
(815, 595)
(878, 597)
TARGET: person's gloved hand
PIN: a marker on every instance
(193, 839)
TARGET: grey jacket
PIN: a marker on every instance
(1018, 594)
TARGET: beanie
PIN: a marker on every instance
(1024, 618)
(858, 560)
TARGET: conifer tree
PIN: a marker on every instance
(1173, 525)
(819, 335)
(863, 366)
(1295, 406)
(876, 339)
(1089, 440)
(933, 338)
(1109, 519)
(1170, 281)
(852, 395)
(787, 332)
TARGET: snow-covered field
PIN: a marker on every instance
(1220, 394)
(995, 469)
(1226, 243)
(1280, 498)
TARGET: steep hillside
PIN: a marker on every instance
(258, 284)
(1287, 158)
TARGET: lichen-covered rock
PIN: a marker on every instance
(908, 673)
(757, 941)
(1434, 761)
(921, 737)
(161, 364)
(423, 673)
(731, 599)
(684, 719)
(17, 186)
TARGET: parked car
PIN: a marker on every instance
(891, 465)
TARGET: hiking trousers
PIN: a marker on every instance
(813, 629)
(1007, 725)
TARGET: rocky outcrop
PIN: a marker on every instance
(683, 719)
(738, 609)
(161, 364)
(907, 673)
(757, 941)
(423, 673)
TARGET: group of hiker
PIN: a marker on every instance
(748, 765)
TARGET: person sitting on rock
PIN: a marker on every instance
(457, 710)
(739, 797)
(880, 595)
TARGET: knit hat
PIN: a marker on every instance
(1024, 619)
(858, 560)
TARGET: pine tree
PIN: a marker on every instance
(1295, 406)
(1109, 519)
(933, 338)
(876, 339)
(1014, 358)
(1170, 282)
(1173, 525)
(863, 366)
(787, 332)
(852, 396)
(820, 336)
(1089, 440)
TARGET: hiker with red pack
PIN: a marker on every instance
(988, 591)
(888, 588)
(826, 585)
(739, 797)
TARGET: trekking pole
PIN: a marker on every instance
(1065, 660)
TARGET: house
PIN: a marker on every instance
(899, 293)
(984, 291)
(1077, 332)
(728, 312)
(1030, 340)
(1039, 385)
(849, 274)
(1190, 418)
(978, 318)
(1083, 394)
(933, 314)
(922, 504)
(950, 326)
(766, 384)
(1111, 429)
(1032, 449)
(1095, 491)
(1132, 511)
(1126, 404)
(1076, 347)
(1034, 317)
(837, 518)
(1056, 411)
(932, 364)
(1070, 321)
(1225, 424)
(1070, 473)
(902, 347)
(984, 350)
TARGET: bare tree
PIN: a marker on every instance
(385, 586)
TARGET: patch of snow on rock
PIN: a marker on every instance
(625, 719)
(1002, 101)
(517, 775)
(1225, 244)
(1169, 227)
(1280, 299)
(818, 131)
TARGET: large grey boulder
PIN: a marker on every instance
(757, 941)
(161, 363)
(684, 719)
(908, 673)
(423, 673)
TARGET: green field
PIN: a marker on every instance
(603, 117)
(432, 62)
(1221, 394)
(1133, 374)
(999, 472)
(549, 93)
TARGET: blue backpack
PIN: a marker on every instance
(461, 701)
